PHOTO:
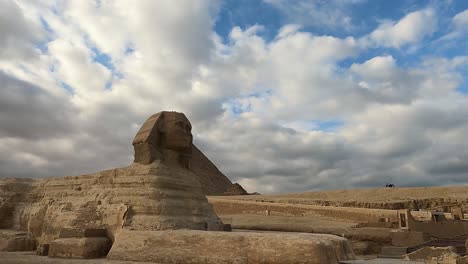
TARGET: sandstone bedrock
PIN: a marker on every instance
(140, 197)
(194, 247)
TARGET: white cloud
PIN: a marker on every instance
(411, 29)
(461, 20)
(27, 111)
(18, 32)
(288, 29)
(74, 64)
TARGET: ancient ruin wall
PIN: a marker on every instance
(225, 206)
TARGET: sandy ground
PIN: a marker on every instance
(369, 195)
(307, 225)
(430, 198)
(284, 223)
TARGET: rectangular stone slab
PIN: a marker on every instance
(191, 246)
(11, 240)
(80, 248)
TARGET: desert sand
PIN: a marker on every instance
(382, 198)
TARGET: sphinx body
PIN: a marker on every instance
(156, 192)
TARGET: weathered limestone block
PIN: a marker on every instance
(448, 259)
(429, 253)
(366, 247)
(81, 248)
(14, 196)
(461, 260)
(11, 240)
(191, 246)
(408, 238)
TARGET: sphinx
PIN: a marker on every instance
(158, 191)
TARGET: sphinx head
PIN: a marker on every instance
(164, 136)
(176, 131)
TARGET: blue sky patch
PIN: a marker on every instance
(103, 58)
(45, 25)
(329, 125)
(67, 87)
(247, 13)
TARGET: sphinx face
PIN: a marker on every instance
(178, 132)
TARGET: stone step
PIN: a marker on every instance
(393, 252)
(457, 242)
(80, 248)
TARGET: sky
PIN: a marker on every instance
(283, 95)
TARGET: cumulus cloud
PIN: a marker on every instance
(461, 20)
(18, 31)
(411, 29)
(27, 111)
(297, 112)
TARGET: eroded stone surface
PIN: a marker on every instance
(429, 253)
(157, 192)
(11, 240)
(190, 246)
(87, 247)
(140, 197)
